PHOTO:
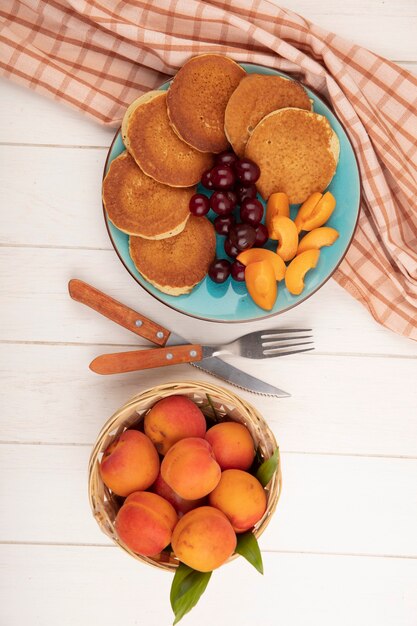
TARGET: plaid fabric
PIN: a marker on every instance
(99, 55)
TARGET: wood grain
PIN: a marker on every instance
(296, 589)
(117, 312)
(136, 360)
(340, 404)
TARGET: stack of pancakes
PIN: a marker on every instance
(170, 139)
(269, 119)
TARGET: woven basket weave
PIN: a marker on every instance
(216, 403)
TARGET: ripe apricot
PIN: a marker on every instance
(317, 238)
(261, 284)
(130, 463)
(241, 497)
(204, 539)
(145, 523)
(190, 469)
(171, 419)
(315, 211)
(277, 204)
(287, 236)
(180, 505)
(232, 445)
(262, 254)
(297, 269)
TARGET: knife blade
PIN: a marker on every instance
(140, 325)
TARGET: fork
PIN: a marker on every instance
(262, 344)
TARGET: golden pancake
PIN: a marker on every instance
(297, 152)
(159, 152)
(197, 100)
(177, 264)
(255, 97)
(139, 205)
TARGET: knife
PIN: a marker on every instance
(141, 325)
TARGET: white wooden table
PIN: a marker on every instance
(342, 548)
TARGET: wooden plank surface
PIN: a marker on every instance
(67, 585)
(331, 410)
(342, 547)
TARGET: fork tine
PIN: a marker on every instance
(289, 352)
(278, 351)
(265, 334)
(279, 339)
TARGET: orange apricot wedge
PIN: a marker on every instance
(317, 238)
(315, 211)
(298, 268)
(261, 284)
(287, 236)
(262, 254)
(277, 205)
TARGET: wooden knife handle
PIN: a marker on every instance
(119, 362)
(117, 312)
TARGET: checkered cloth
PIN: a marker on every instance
(99, 55)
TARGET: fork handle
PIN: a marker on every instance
(134, 360)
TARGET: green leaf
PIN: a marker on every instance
(268, 469)
(248, 547)
(187, 587)
(216, 416)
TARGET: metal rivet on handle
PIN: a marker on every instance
(138, 323)
(160, 334)
(193, 353)
(169, 356)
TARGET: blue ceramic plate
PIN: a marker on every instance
(230, 301)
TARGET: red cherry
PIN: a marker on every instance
(221, 202)
(199, 205)
(232, 197)
(230, 249)
(238, 271)
(246, 192)
(219, 270)
(242, 236)
(223, 223)
(226, 158)
(247, 171)
(206, 180)
(223, 177)
(251, 211)
(262, 236)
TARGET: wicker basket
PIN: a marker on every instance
(216, 403)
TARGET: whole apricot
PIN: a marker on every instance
(232, 445)
(204, 539)
(180, 505)
(171, 419)
(130, 463)
(145, 523)
(241, 497)
(190, 469)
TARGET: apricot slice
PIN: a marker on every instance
(261, 254)
(277, 205)
(297, 269)
(317, 238)
(287, 236)
(315, 211)
(261, 284)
